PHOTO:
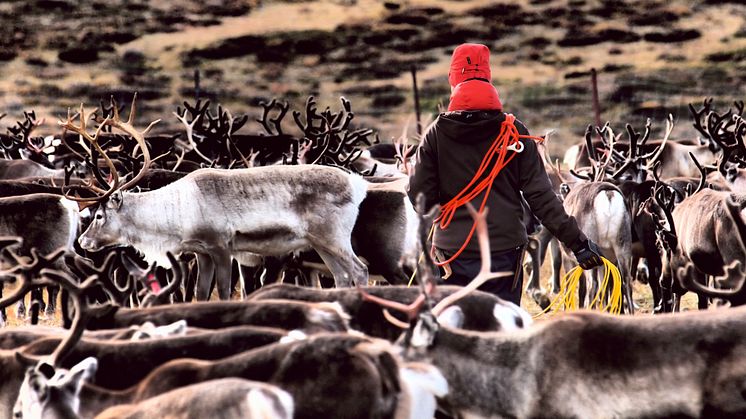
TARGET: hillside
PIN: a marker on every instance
(653, 57)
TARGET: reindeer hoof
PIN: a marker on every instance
(542, 299)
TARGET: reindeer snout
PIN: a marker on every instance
(86, 243)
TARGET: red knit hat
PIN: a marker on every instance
(469, 61)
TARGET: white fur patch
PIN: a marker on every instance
(420, 336)
(571, 156)
(511, 317)
(452, 316)
(359, 188)
(261, 404)
(411, 240)
(610, 215)
(325, 313)
(73, 220)
(150, 331)
(422, 384)
(293, 336)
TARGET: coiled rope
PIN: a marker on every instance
(567, 298)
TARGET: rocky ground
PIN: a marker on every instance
(653, 57)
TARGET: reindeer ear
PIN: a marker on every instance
(46, 370)
(83, 205)
(115, 200)
(423, 333)
(84, 370)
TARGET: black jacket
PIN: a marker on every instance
(448, 158)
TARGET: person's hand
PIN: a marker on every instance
(589, 255)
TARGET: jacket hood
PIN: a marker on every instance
(470, 61)
(474, 95)
(470, 127)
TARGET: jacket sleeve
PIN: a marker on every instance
(425, 179)
(544, 203)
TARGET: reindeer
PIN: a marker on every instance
(706, 243)
(123, 363)
(45, 222)
(367, 317)
(602, 214)
(583, 364)
(355, 364)
(220, 214)
(234, 398)
(18, 169)
(359, 361)
(674, 155)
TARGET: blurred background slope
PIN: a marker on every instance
(653, 57)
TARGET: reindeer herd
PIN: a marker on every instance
(131, 227)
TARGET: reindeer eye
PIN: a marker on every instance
(99, 216)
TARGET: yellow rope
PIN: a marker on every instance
(567, 298)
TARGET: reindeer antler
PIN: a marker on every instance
(124, 126)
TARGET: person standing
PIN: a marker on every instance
(477, 153)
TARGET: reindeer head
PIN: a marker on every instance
(47, 392)
(106, 228)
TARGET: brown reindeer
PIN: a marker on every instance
(587, 364)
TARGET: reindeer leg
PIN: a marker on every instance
(594, 281)
(21, 308)
(190, 283)
(206, 268)
(654, 280)
(67, 321)
(273, 268)
(3, 315)
(250, 278)
(235, 277)
(52, 292)
(583, 289)
(397, 276)
(556, 265)
(624, 271)
(667, 282)
(346, 268)
(223, 272)
(533, 287)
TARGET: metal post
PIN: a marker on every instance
(416, 100)
(196, 84)
(596, 104)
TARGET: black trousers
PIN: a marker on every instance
(465, 269)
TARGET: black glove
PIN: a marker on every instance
(589, 255)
